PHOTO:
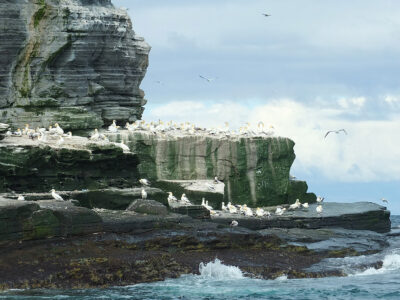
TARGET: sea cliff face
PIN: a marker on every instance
(76, 62)
(255, 170)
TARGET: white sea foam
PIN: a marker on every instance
(391, 262)
(282, 278)
(216, 269)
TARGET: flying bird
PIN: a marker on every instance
(385, 201)
(335, 131)
(206, 78)
(266, 15)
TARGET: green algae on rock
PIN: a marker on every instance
(255, 170)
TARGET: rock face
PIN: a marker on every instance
(151, 207)
(76, 62)
(3, 130)
(255, 170)
(31, 166)
(20, 220)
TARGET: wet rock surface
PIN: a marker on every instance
(75, 62)
(148, 207)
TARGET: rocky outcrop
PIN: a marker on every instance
(255, 170)
(354, 216)
(33, 166)
(75, 62)
(22, 220)
(3, 130)
(151, 207)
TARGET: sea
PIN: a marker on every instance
(219, 281)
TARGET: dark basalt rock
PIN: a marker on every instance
(194, 211)
(151, 207)
(78, 63)
(3, 130)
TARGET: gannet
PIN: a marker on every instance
(185, 199)
(335, 131)
(95, 136)
(171, 199)
(320, 199)
(234, 223)
(21, 198)
(203, 202)
(319, 209)
(260, 212)
(144, 194)
(385, 201)
(58, 129)
(18, 132)
(68, 135)
(144, 182)
(60, 141)
(279, 211)
(209, 207)
(42, 137)
(223, 207)
(113, 127)
(56, 196)
(216, 180)
(8, 133)
(268, 214)
(124, 147)
(305, 205)
(295, 205)
(248, 212)
(232, 209)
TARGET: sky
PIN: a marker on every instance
(310, 67)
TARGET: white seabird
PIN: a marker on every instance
(56, 196)
(305, 205)
(232, 209)
(113, 127)
(185, 199)
(124, 147)
(21, 198)
(260, 212)
(223, 207)
(171, 199)
(335, 131)
(95, 136)
(320, 199)
(279, 211)
(144, 182)
(319, 209)
(58, 129)
(234, 223)
(248, 212)
(385, 200)
(295, 205)
(144, 194)
(60, 141)
(18, 132)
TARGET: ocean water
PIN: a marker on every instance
(218, 281)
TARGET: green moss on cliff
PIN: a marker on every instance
(40, 13)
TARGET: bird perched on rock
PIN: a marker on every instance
(185, 200)
(319, 209)
(124, 147)
(113, 127)
(279, 211)
(56, 196)
(223, 207)
(260, 212)
(95, 135)
(216, 180)
(232, 209)
(21, 198)
(58, 129)
(234, 223)
(144, 194)
(144, 182)
(295, 205)
(171, 199)
(305, 205)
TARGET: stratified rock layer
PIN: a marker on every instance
(75, 62)
(255, 170)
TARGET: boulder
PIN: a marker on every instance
(78, 63)
(150, 207)
(3, 130)
(193, 211)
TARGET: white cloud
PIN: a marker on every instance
(392, 100)
(366, 154)
(357, 102)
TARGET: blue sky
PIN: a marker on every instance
(310, 67)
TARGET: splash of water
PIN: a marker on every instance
(215, 269)
(391, 262)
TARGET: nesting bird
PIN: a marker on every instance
(171, 199)
(319, 209)
(56, 196)
(144, 182)
(21, 198)
(185, 200)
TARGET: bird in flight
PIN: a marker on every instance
(335, 131)
(384, 200)
(206, 78)
(266, 15)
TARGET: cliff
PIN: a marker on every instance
(255, 170)
(76, 62)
